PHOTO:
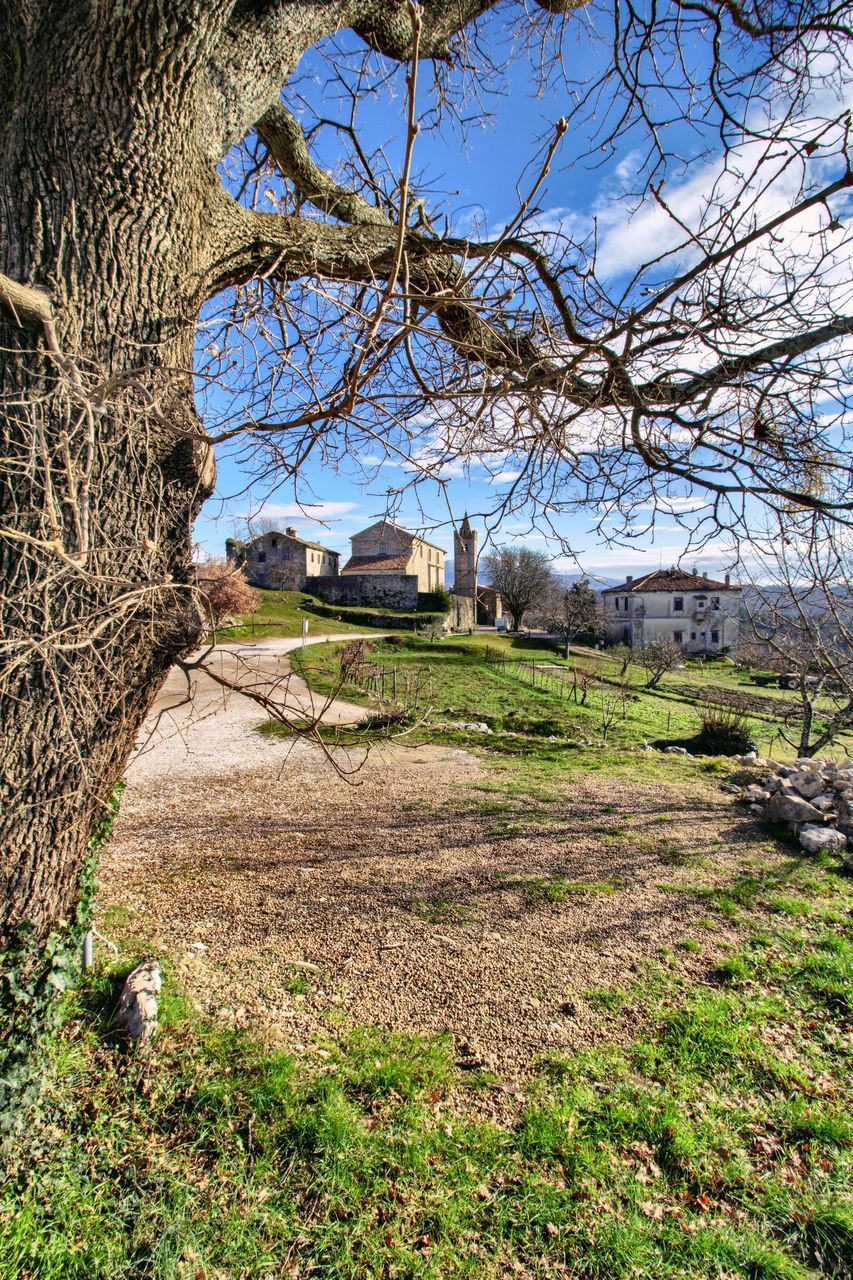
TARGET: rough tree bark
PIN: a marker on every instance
(114, 230)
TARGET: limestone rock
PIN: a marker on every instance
(821, 839)
(808, 783)
(138, 1004)
(790, 808)
(676, 751)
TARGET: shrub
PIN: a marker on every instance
(725, 730)
(437, 601)
(224, 590)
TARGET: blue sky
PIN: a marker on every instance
(482, 174)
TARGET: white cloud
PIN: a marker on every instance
(305, 512)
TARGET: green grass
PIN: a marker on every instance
(281, 613)
(455, 683)
(557, 889)
(716, 1143)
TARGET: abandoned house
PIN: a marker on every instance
(692, 610)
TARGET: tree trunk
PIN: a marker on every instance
(105, 464)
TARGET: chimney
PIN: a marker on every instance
(728, 579)
(704, 573)
(630, 578)
(695, 572)
(291, 532)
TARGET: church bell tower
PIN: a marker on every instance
(465, 574)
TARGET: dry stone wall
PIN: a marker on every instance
(372, 590)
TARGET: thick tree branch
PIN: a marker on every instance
(285, 247)
(27, 307)
(286, 143)
(264, 40)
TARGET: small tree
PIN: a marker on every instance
(225, 591)
(657, 658)
(577, 612)
(801, 613)
(439, 600)
(523, 579)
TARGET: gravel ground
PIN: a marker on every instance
(292, 901)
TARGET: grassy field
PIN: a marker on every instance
(716, 1144)
(453, 681)
(710, 1139)
(281, 613)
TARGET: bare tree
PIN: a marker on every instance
(800, 609)
(657, 658)
(523, 578)
(224, 590)
(161, 197)
(576, 611)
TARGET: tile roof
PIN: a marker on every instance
(378, 564)
(672, 580)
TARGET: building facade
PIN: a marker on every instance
(283, 561)
(690, 609)
(385, 548)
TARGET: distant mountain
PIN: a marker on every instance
(595, 581)
(565, 579)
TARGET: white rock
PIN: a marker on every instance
(823, 802)
(807, 762)
(138, 1003)
(817, 839)
(807, 783)
(676, 751)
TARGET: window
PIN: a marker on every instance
(678, 636)
(273, 542)
(262, 556)
(616, 603)
(715, 602)
(692, 635)
(286, 555)
(715, 637)
(382, 548)
(678, 604)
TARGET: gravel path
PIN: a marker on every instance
(291, 900)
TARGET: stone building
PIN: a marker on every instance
(385, 548)
(691, 609)
(283, 560)
(472, 603)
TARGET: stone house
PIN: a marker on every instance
(283, 560)
(691, 609)
(385, 548)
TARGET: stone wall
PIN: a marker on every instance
(463, 616)
(373, 590)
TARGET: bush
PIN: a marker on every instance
(225, 591)
(724, 732)
(369, 617)
(438, 601)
